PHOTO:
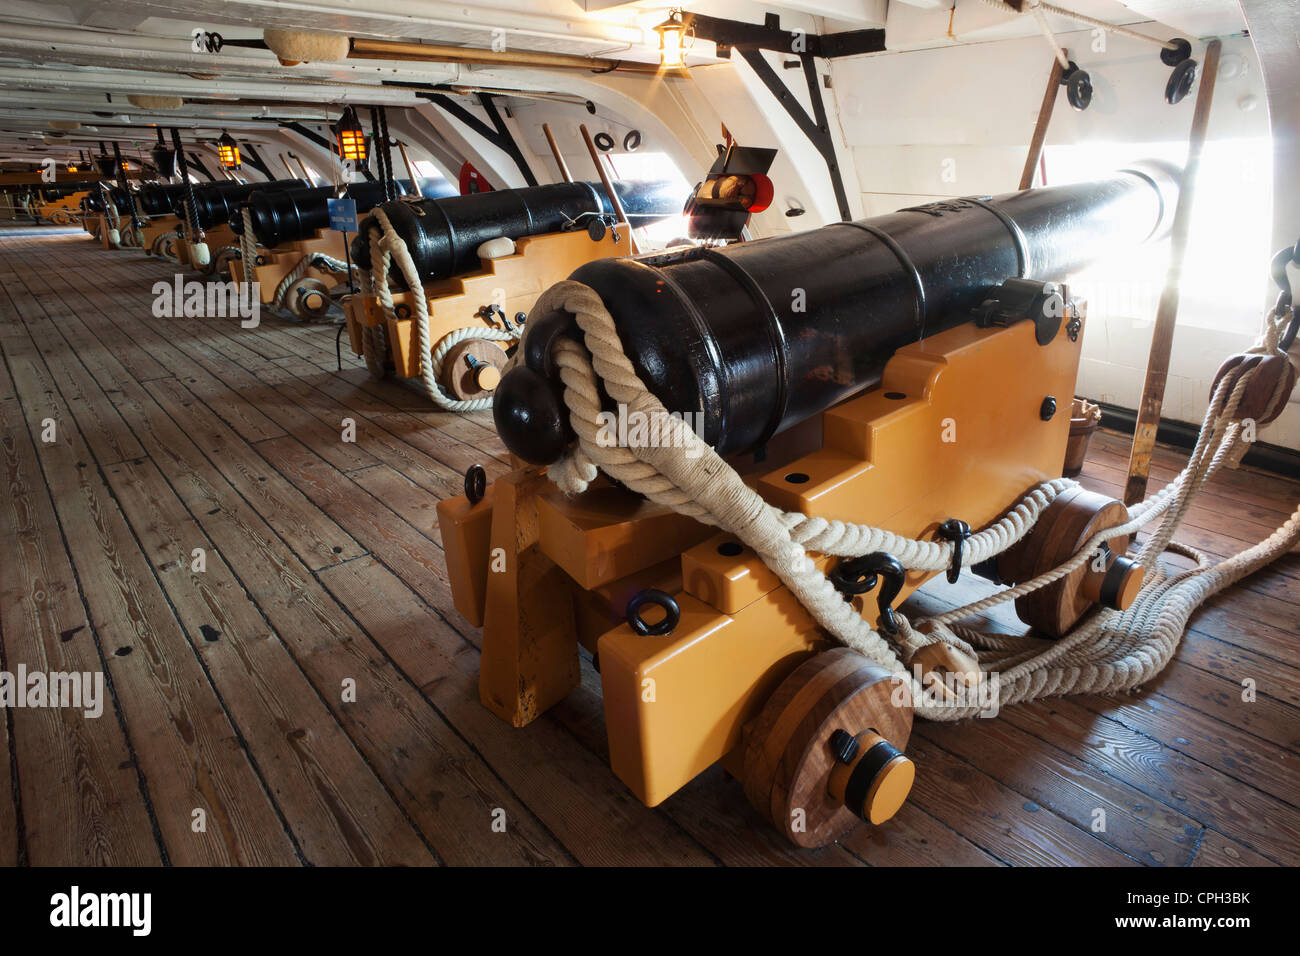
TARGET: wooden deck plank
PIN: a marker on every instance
(442, 785)
(1261, 822)
(188, 750)
(315, 538)
(106, 433)
(338, 810)
(79, 785)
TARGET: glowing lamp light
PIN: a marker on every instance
(72, 168)
(228, 151)
(351, 137)
(671, 33)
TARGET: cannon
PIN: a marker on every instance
(281, 216)
(216, 207)
(121, 199)
(762, 335)
(481, 260)
(443, 235)
(60, 205)
(907, 373)
(301, 260)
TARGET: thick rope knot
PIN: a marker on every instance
(1107, 652)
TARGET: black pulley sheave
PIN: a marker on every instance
(443, 235)
(762, 335)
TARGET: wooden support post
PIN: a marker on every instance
(609, 187)
(1044, 119)
(530, 648)
(1162, 337)
(555, 151)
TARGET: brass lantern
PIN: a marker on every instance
(351, 137)
(671, 34)
(228, 151)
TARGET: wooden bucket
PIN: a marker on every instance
(1084, 418)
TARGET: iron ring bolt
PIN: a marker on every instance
(956, 531)
(672, 613)
(475, 483)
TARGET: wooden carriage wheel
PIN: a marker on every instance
(799, 773)
(1067, 523)
(468, 380)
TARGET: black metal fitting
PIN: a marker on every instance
(672, 613)
(1180, 82)
(1016, 300)
(957, 532)
(1173, 55)
(844, 746)
(475, 483)
(1078, 86)
(1047, 411)
(855, 576)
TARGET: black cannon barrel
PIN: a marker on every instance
(219, 206)
(95, 201)
(160, 199)
(443, 235)
(762, 335)
(289, 214)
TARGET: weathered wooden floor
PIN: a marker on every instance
(323, 566)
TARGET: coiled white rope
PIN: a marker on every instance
(390, 247)
(316, 260)
(1107, 653)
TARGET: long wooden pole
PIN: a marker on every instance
(1044, 119)
(1162, 338)
(435, 53)
(609, 187)
(303, 166)
(410, 169)
(555, 151)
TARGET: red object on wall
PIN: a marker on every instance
(472, 181)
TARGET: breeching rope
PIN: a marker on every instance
(247, 250)
(391, 248)
(1107, 652)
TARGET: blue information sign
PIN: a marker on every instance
(343, 215)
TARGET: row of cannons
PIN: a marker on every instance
(826, 367)
(483, 258)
